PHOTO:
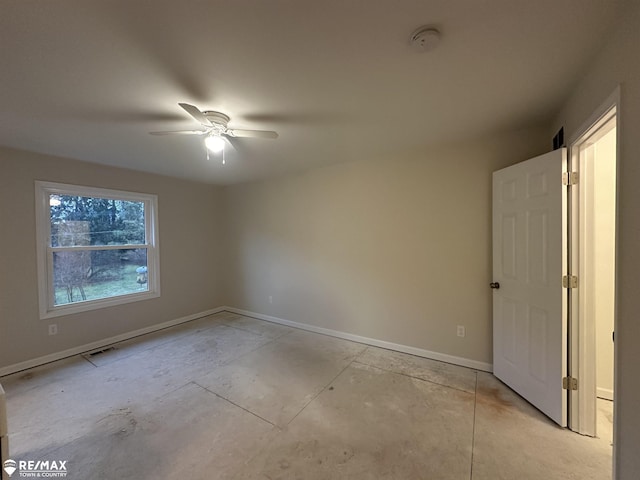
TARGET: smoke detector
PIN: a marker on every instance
(425, 39)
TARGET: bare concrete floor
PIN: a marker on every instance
(230, 397)
(604, 427)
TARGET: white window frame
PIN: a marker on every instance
(45, 251)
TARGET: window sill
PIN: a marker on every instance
(86, 306)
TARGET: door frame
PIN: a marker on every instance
(582, 347)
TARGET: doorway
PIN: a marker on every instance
(554, 278)
(593, 260)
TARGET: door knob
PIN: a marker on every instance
(495, 285)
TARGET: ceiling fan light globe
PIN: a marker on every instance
(214, 143)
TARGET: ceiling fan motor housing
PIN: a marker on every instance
(217, 118)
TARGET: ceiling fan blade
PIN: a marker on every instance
(180, 132)
(197, 114)
(239, 132)
(231, 141)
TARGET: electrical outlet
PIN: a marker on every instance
(461, 331)
(53, 329)
(270, 299)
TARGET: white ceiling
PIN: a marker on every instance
(88, 79)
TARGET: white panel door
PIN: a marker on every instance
(529, 307)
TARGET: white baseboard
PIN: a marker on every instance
(605, 393)
(17, 367)
(443, 357)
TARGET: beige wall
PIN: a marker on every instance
(397, 249)
(619, 64)
(189, 218)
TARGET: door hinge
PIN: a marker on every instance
(570, 383)
(570, 178)
(570, 281)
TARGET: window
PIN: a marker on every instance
(96, 248)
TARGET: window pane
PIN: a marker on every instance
(77, 221)
(92, 275)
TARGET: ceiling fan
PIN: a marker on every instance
(216, 132)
